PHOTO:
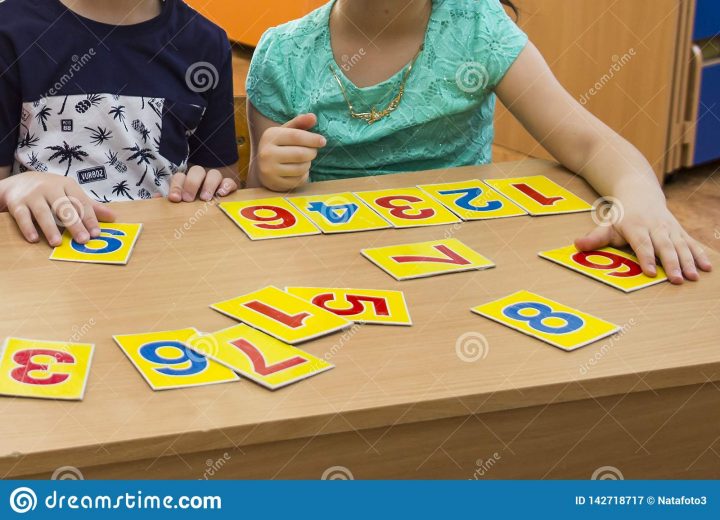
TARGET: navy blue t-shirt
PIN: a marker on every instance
(117, 108)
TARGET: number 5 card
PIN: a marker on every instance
(409, 207)
(259, 357)
(114, 246)
(424, 259)
(609, 265)
(473, 200)
(269, 218)
(339, 213)
(44, 369)
(538, 195)
(165, 361)
(546, 320)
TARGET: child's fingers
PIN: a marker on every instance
(293, 171)
(67, 214)
(687, 262)
(213, 178)
(596, 239)
(665, 250)
(193, 180)
(292, 137)
(302, 122)
(102, 212)
(85, 207)
(295, 154)
(642, 245)
(701, 258)
(46, 220)
(176, 187)
(24, 221)
(227, 186)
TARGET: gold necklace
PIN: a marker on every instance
(376, 115)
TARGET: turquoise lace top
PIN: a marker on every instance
(445, 118)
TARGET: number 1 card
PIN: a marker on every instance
(424, 259)
(560, 326)
(611, 266)
(166, 362)
(409, 207)
(339, 213)
(114, 246)
(538, 195)
(473, 200)
(44, 369)
(269, 218)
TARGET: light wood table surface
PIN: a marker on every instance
(401, 403)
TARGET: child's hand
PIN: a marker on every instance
(52, 201)
(185, 187)
(285, 153)
(650, 234)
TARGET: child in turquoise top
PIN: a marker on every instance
(391, 86)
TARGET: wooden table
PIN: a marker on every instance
(400, 403)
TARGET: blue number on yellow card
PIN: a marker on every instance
(151, 353)
(468, 196)
(112, 244)
(336, 214)
(544, 312)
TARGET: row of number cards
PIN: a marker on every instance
(426, 205)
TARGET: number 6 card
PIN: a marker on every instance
(269, 218)
(546, 320)
(114, 246)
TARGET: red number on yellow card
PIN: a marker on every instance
(294, 321)
(24, 358)
(357, 306)
(258, 361)
(536, 195)
(404, 210)
(617, 261)
(450, 257)
(280, 218)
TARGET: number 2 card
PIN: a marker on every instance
(408, 207)
(44, 369)
(560, 326)
(611, 266)
(166, 362)
(269, 218)
(539, 195)
(473, 200)
(114, 246)
(424, 259)
(339, 213)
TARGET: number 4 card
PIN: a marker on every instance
(610, 266)
(424, 259)
(473, 200)
(259, 357)
(165, 361)
(114, 246)
(269, 218)
(44, 369)
(546, 320)
(339, 213)
(538, 195)
(360, 305)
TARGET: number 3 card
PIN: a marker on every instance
(166, 362)
(424, 259)
(546, 320)
(339, 213)
(44, 369)
(269, 218)
(259, 357)
(360, 305)
(114, 246)
(611, 266)
(409, 207)
(538, 195)
(282, 315)
(473, 200)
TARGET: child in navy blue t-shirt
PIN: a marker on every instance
(109, 100)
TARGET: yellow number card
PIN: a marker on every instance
(538, 195)
(408, 207)
(546, 320)
(424, 259)
(473, 200)
(359, 305)
(44, 369)
(282, 315)
(165, 361)
(269, 218)
(339, 213)
(259, 357)
(611, 266)
(114, 246)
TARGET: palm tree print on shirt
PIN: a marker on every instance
(121, 189)
(142, 156)
(42, 117)
(67, 153)
(99, 135)
(118, 113)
